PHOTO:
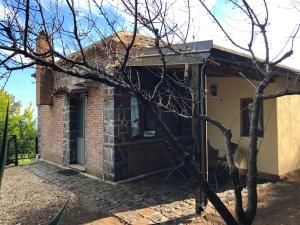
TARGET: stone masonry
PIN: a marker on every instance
(116, 134)
(109, 151)
(66, 129)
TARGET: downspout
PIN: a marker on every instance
(200, 131)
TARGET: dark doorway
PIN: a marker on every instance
(77, 129)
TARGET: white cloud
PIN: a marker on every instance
(17, 58)
(282, 21)
(282, 18)
(4, 11)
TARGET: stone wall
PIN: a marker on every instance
(66, 128)
(116, 134)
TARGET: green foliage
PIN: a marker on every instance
(56, 218)
(3, 152)
(26, 161)
(21, 123)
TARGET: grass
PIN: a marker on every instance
(26, 161)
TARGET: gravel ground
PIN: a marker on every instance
(27, 199)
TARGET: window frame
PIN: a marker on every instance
(143, 118)
(245, 114)
(139, 130)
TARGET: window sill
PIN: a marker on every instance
(146, 140)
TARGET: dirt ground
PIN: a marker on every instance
(27, 199)
(278, 204)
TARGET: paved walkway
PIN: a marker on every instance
(148, 201)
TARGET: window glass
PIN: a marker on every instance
(142, 124)
(135, 120)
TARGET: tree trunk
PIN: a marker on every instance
(190, 165)
(252, 161)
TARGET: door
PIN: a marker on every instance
(80, 128)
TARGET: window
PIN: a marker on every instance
(142, 124)
(246, 106)
(135, 118)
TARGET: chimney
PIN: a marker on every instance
(44, 76)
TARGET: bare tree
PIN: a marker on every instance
(67, 30)
(265, 70)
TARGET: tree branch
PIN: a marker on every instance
(26, 24)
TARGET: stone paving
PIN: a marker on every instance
(147, 201)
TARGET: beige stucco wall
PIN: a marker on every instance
(231, 90)
(288, 110)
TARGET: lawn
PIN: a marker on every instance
(26, 161)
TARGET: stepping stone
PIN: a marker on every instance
(152, 215)
(133, 218)
(106, 221)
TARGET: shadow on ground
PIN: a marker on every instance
(155, 198)
(279, 203)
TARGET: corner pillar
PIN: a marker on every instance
(66, 128)
(117, 132)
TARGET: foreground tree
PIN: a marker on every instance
(67, 29)
(265, 69)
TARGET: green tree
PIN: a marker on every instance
(21, 122)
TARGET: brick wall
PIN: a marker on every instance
(109, 151)
(94, 131)
(145, 156)
(44, 77)
(54, 91)
(54, 127)
(51, 131)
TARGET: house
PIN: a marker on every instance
(92, 126)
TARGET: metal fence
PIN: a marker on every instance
(14, 154)
(12, 151)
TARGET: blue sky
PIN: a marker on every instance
(220, 9)
(21, 84)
